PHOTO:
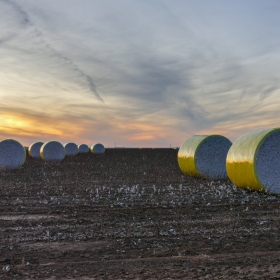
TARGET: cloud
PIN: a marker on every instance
(24, 17)
(157, 65)
(7, 38)
(26, 22)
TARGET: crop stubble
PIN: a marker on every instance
(131, 213)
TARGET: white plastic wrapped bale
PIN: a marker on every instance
(71, 149)
(34, 149)
(204, 156)
(97, 148)
(83, 148)
(52, 151)
(12, 154)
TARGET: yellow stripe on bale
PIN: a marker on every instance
(204, 156)
(242, 158)
(186, 155)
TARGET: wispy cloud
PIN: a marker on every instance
(25, 21)
(166, 71)
(24, 17)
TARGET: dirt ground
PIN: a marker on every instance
(132, 214)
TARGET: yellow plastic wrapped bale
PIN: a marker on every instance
(253, 161)
(204, 156)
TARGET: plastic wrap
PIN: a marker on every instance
(204, 156)
(252, 161)
(52, 151)
(34, 149)
(71, 149)
(12, 154)
(97, 148)
(83, 148)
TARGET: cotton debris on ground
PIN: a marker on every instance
(34, 149)
(132, 212)
(12, 154)
(71, 149)
(52, 151)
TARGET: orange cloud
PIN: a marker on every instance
(138, 126)
(141, 131)
(27, 128)
(22, 125)
(141, 137)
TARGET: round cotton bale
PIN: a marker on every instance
(71, 149)
(253, 161)
(34, 149)
(52, 151)
(97, 148)
(204, 156)
(83, 148)
(12, 154)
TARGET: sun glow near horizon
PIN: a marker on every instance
(18, 126)
(29, 129)
(116, 76)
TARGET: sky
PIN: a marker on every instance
(137, 73)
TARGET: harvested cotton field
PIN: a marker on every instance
(132, 214)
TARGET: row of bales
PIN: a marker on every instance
(251, 162)
(13, 153)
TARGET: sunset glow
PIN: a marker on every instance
(120, 78)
